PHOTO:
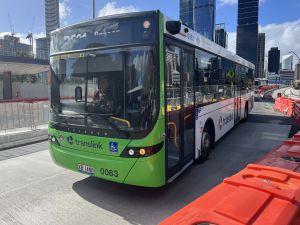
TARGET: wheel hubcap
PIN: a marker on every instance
(205, 141)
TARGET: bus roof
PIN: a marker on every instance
(115, 16)
(198, 40)
(192, 37)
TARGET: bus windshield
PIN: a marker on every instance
(114, 89)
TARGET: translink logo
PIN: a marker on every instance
(225, 120)
(90, 144)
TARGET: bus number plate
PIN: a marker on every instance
(85, 169)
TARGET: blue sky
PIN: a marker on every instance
(24, 12)
(279, 19)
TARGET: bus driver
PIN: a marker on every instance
(102, 96)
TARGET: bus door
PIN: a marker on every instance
(237, 98)
(180, 126)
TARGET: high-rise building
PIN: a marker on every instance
(247, 30)
(200, 15)
(51, 15)
(42, 48)
(186, 11)
(11, 46)
(205, 17)
(260, 65)
(274, 60)
(286, 76)
(297, 72)
(287, 62)
(221, 36)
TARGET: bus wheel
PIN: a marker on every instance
(206, 144)
(246, 114)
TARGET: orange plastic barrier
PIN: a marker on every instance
(285, 105)
(296, 113)
(286, 156)
(259, 195)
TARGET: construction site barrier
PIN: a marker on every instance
(264, 193)
(296, 112)
(260, 195)
(23, 114)
(285, 105)
(289, 107)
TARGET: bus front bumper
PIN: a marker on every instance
(147, 172)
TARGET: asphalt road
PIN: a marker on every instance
(35, 191)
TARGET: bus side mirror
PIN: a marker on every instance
(78, 94)
(173, 27)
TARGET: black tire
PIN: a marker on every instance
(246, 114)
(207, 143)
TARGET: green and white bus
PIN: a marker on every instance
(137, 98)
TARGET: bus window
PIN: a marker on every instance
(119, 87)
(210, 83)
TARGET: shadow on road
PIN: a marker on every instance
(272, 119)
(139, 205)
(265, 99)
(234, 151)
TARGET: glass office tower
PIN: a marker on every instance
(260, 66)
(274, 60)
(200, 15)
(187, 12)
(247, 30)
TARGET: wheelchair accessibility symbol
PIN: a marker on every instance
(113, 146)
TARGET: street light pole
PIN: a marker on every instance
(296, 68)
(295, 55)
(94, 9)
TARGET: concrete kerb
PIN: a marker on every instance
(16, 139)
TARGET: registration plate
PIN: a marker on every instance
(85, 169)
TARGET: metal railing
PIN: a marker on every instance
(23, 114)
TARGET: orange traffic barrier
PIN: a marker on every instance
(296, 112)
(286, 106)
(259, 195)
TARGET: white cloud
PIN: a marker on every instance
(64, 9)
(2, 34)
(232, 41)
(111, 9)
(228, 2)
(285, 36)
(233, 2)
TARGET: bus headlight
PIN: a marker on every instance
(53, 139)
(138, 152)
(131, 152)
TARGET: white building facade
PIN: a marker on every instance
(287, 62)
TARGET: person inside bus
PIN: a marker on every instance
(102, 96)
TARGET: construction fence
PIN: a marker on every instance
(23, 113)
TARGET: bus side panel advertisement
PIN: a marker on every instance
(222, 115)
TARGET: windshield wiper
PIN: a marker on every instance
(105, 117)
(67, 117)
(76, 116)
